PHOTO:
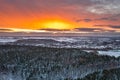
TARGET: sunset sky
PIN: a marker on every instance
(60, 16)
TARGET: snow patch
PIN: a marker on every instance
(115, 53)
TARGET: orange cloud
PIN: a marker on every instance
(56, 14)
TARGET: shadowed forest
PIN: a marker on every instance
(43, 63)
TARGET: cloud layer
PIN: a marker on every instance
(94, 14)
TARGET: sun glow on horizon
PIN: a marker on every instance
(55, 24)
(22, 30)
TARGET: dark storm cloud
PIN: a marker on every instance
(85, 20)
(98, 19)
(101, 25)
(88, 29)
(117, 27)
(94, 30)
(115, 17)
(107, 19)
(110, 26)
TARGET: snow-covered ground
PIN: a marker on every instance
(67, 42)
(115, 53)
(60, 39)
(7, 40)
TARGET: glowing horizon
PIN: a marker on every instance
(76, 16)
